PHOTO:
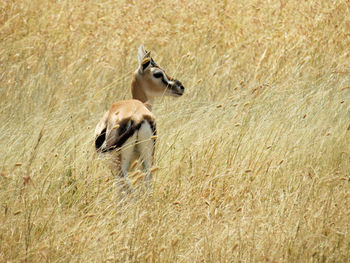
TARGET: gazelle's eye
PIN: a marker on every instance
(158, 75)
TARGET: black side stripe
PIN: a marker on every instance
(100, 139)
(125, 131)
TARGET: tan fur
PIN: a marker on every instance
(137, 90)
(127, 110)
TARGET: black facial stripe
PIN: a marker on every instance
(165, 82)
(160, 75)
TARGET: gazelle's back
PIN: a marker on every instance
(129, 109)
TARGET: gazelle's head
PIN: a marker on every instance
(151, 81)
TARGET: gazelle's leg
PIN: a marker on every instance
(147, 165)
(119, 177)
(124, 172)
(127, 153)
(146, 149)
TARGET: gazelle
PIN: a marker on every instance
(128, 129)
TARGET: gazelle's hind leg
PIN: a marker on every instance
(145, 146)
(126, 156)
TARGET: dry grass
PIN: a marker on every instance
(253, 160)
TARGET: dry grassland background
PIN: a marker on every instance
(254, 159)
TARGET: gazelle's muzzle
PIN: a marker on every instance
(177, 88)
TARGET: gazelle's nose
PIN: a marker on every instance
(182, 89)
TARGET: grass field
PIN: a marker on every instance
(254, 159)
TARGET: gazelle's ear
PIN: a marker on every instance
(145, 64)
(144, 58)
(142, 54)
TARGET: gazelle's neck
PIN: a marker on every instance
(138, 91)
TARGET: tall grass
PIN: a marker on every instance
(254, 159)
